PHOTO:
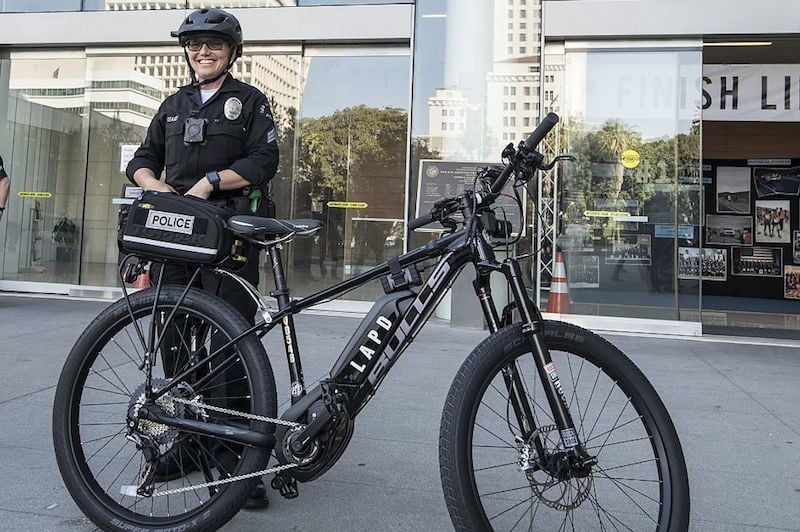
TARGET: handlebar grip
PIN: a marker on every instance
(416, 223)
(541, 131)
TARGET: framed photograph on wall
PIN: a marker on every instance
(776, 181)
(791, 282)
(688, 263)
(729, 230)
(714, 263)
(733, 189)
(630, 249)
(583, 271)
(772, 221)
(796, 246)
(757, 261)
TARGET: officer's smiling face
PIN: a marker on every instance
(206, 62)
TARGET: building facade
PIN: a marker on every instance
(679, 215)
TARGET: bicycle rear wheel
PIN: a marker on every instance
(101, 380)
(639, 481)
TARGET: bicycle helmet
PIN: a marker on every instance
(215, 22)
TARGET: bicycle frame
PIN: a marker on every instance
(384, 335)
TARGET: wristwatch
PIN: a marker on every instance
(213, 178)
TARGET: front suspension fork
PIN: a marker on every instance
(533, 329)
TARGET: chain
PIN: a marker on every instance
(198, 404)
(276, 469)
(228, 480)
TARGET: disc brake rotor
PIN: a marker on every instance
(562, 495)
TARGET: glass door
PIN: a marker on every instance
(629, 225)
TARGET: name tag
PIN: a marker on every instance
(169, 221)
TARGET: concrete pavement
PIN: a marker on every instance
(734, 405)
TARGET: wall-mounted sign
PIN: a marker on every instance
(606, 214)
(445, 179)
(769, 162)
(685, 232)
(347, 204)
(31, 194)
(630, 158)
(126, 152)
(769, 93)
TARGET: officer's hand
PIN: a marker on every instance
(160, 186)
(202, 189)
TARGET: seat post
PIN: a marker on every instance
(282, 291)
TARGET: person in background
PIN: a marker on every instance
(5, 188)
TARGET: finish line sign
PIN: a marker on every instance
(755, 93)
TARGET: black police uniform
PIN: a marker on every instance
(232, 130)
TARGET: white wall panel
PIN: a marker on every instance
(668, 18)
(369, 23)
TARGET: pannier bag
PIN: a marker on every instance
(162, 225)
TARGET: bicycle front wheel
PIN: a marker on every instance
(103, 380)
(494, 480)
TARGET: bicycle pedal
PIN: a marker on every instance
(286, 486)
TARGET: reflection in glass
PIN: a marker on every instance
(126, 91)
(351, 165)
(632, 198)
(476, 86)
(128, 5)
(33, 6)
(43, 143)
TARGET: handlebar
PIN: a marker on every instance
(416, 223)
(541, 131)
(533, 140)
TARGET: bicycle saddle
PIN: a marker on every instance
(260, 228)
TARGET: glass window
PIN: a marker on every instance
(43, 146)
(342, 2)
(522, 50)
(523, 13)
(19, 6)
(475, 66)
(630, 206)
(351, 168)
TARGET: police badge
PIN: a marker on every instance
(233, 108)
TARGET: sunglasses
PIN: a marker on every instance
(195, 45)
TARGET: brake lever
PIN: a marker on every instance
(551, 164)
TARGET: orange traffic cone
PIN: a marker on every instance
(558, 300)
(142, 280)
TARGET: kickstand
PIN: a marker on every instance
(286, 485)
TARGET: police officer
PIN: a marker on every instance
(216, 139)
